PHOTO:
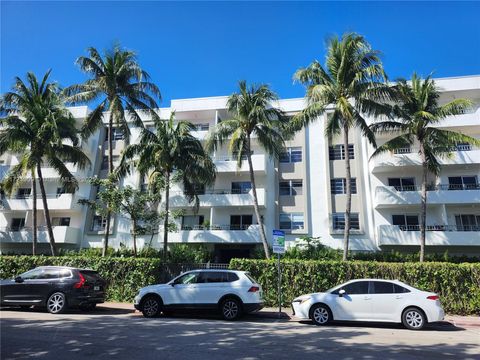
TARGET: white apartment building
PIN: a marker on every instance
(302, 193)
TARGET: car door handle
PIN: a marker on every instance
(367, 298)
(399, 297)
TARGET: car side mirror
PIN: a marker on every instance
(18, 279)
(341, 293)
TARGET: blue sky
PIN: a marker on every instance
(203, 48)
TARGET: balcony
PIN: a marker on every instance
(224, 234)
(228, 164)
(390, 196)
(404, 157)
(54, 202)
(436, 235)
(62, 235)
(219, 198)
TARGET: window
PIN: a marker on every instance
(400, 289)
(217, 277)
(17, 224)
(61, 221)
(382, 287)
(402, 184)
(190, 278)
(241, 187)
(191, 222)
(201, 127)
(291, 155)
(32, 274)
(337, 152)
(99, 223)
(116, 135)
(462, 183)
(402, 150)
(291, 187)
(115, 159)
(355, 288)
(240, 222)
(23, 193)
(406, 222)
(292, 221)
(63, 190)
(467, 222)
(339, 221)
(339, 186)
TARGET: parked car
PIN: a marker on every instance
(55, 287)
(371, 300)
(232, 293)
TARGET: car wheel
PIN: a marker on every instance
(57, 303)
(320, 314)
(413, 319)
(231, 309)
(151, 306)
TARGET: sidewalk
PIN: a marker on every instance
(272, 313)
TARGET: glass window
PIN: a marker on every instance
(241, 187)
(32, 274)
(406, 222)
(284, 188)
(240, 222)
(99, 223)
(400, 289)
(190, 278)
(336, 152)
(23, 193)
(49, 274)
(291, 155)
(291, 187)
(467, 222)
(293, 221)
(117, 134)
(339, 186)
(215, 276)
(462, 183)
(338, 220)
(61, 221)
(402, 184)
(17, 224)
(383, 287)
(356, 288)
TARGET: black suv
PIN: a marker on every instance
(56, 287)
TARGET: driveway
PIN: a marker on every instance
(121, 333)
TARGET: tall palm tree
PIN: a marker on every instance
(120, 86)
(36, 124)
(416, 116)
(170, 153)
(352, 85)
(252, 116)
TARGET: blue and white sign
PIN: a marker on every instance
(278, 242)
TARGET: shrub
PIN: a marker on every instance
(457, 284)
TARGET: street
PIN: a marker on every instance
(106, 332)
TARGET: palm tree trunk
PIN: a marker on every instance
(110, 171)
(423, 215)
(255, 202)
(165, 223)
(34, 213)
(46, 211)
(134, 235)
(348, 177)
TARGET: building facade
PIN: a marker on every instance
(302, 192)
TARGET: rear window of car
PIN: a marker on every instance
(382, 287)
(400, 289)
(218, 277)
(251, 278)
(90, 276)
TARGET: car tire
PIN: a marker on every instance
(320, 314)
(231, 309)
(57, 303)
(151, 306)
(414, 319)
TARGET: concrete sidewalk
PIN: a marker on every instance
(272, 313)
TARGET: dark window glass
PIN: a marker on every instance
(399, 289)
(356, 288)
(232, 277)
(215, 276)
(190, 278)
(284, 188)
(336, 152)
(382, 287)
(338, 220)
(91, 276)
(49, 274)
(17, 224)
(32, 274)
(241, 187)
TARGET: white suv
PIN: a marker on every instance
(230, 292)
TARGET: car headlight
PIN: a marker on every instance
(302, 299)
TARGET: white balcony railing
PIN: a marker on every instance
(219, 198)
(228, 163)
(217, 234)
(391, 196)
(62, 235)
(54, 202)
(436, 235)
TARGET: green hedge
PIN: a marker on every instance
(125, 276)
(457, 284)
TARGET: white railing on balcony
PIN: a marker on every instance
(62, 234)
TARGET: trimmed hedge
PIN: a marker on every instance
(457, 284)
(125, 276)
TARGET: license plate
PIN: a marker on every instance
(96, 288)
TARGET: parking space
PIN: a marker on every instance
(119, 331)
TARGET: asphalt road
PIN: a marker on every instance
(121, 334)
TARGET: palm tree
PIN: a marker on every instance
(35, 124)
(252, 116)
(352, 85)
(120, 86)
(167, 154)
(418, 112)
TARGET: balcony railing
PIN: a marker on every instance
(39, 196)
(216, 227)
(409, 150)
(437, 187)
(215, 192)
(440, 227)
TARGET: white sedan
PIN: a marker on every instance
(371, 300)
